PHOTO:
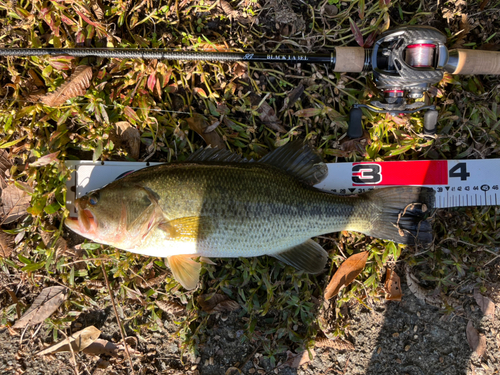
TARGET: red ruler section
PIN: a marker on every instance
(389, 173)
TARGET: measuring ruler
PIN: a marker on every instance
(458, 183)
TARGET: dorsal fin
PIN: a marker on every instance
(300, 160)
(215, 154)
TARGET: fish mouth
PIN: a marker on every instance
(85, 222)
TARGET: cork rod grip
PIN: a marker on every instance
(349, 59)
(477, 62)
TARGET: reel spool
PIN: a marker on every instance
(420, 55)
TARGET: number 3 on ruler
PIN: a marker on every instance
(367, 174)
(459, 170)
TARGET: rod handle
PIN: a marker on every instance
(472, 61)
(349, 59)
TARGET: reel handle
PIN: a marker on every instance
(471, 61)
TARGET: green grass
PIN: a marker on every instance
(277, 302)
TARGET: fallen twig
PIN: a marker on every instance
(122, 332)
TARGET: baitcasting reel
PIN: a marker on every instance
(405, 63)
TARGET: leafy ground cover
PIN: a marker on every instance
(163, 111)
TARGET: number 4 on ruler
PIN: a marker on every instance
(459, 170)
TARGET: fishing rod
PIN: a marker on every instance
(405, 63)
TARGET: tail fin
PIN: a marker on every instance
(401, 214)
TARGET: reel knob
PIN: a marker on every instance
(430, 121)
(355, 128)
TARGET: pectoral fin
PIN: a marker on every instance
(185, 270)
(187, 228)
(308, 256)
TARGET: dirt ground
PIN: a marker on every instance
(406, 337)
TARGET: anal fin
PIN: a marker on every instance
(308, 256)
(185, 270)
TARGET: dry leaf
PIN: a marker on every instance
(5, 165)
(357, 145)
(98, 9)
(199, 124)
(35, 79)
(293, 95)
(78, 341)
(308, 112)
(346, 273)
(485, 304)
(427, 296)
(212, 127)
(239, 70)
(217, 303)
(61, 246)
(44, 306)
(77, 85)
(171, 307)
(328, 10)
(237, 15)
(6, 244)
(131, 137)
(45, 160)
(35, 96)
(213, 47)
(338, 344)
(149, 283)
(14, 204)
(392, 286)
(100, 346)
(296, 360)
(464, 31)
(128, 342)
(266, 114)
(477, 341)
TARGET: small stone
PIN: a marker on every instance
(395, 334)
(407, 347)
(198, 360)
(251, 371)
(399, 361)
(194, 367)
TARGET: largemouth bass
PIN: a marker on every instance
(217, 204)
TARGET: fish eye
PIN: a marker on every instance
(94, 198)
